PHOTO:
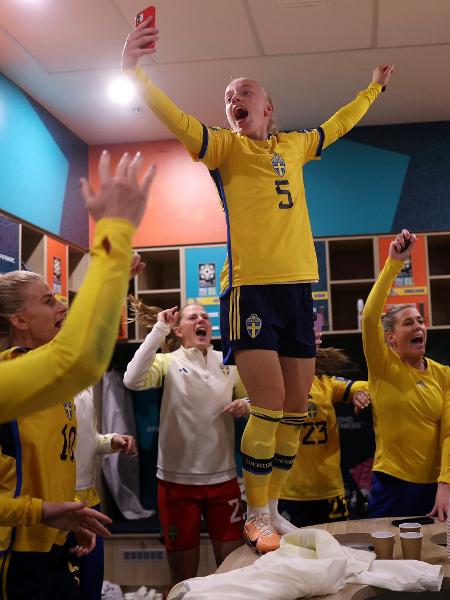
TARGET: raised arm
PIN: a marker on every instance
(185, 127)
(348, 116)
(440, 508)
(146, 369)
(375, 349)
(80, 353)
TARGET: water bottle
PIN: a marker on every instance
(359, 312)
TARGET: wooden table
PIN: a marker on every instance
(359, 531)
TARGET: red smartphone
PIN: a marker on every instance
(150, 11)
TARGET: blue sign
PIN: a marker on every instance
(9, 245)
(203, 267)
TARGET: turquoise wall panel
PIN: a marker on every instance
(32, 167)
(354, 189)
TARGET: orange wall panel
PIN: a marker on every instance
(184, 206)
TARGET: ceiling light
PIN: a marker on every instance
(121, 91)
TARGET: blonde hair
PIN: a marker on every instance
(272, 126)
(13, 287)
(388, 319)
(148, 316)
(332, 361)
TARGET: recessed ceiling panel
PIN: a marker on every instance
(67, 35)
(413, 22)
(197, 30)
(297, 27)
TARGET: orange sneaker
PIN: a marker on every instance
(260, 534)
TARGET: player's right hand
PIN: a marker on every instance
(136, 42)
(168, 316)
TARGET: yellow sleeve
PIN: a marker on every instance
(444, 476)
(154, 377)
(350, 114)
(22, 510)
(185, 127)
(79, 354)
(344, 389)
(375, 349)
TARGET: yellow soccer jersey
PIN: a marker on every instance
(412, 431)
(260, 184)
(316, 473)
(79, 354)
(36, 462)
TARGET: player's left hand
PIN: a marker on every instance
(86, 541)
(441, 502)
(382, 74)
(361, 400)
(125, 444)
(237, 408)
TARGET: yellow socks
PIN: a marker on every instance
(287, 442)
(258, 448)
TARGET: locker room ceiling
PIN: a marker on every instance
(312, 56)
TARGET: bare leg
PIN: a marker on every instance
(223, 549)
(183, 564)
(261, 373)
(298, 374)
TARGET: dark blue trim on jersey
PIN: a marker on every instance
(229, 353)
(347, 391)
(321, 140)
(204, 147)
(219, 185)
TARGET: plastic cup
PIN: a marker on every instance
(411, 545)
(383, 544)
(409, 527)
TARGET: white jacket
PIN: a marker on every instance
(196, 439)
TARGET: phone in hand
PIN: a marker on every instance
(318, 322)
(406, 244)
(144, 14)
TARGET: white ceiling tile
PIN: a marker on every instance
(413, 22)
(332, 25)
(67, 35)
(197, 30)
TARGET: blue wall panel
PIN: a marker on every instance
(355, 188)
(40, 164)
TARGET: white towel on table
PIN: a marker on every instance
(309, 562)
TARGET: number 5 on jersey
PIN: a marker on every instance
(280, 187)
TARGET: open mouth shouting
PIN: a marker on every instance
(240, 113)
(418, 339)
(201, 332)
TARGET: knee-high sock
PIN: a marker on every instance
(258, 447)
(287, 438)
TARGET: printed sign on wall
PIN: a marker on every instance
(9, 245)
(203, 267)
(57, 258)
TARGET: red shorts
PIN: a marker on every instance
(180, 508)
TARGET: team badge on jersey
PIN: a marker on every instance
(279, 165)
(253, 324)
(225, 369)
(312, 410)
(68, 407)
